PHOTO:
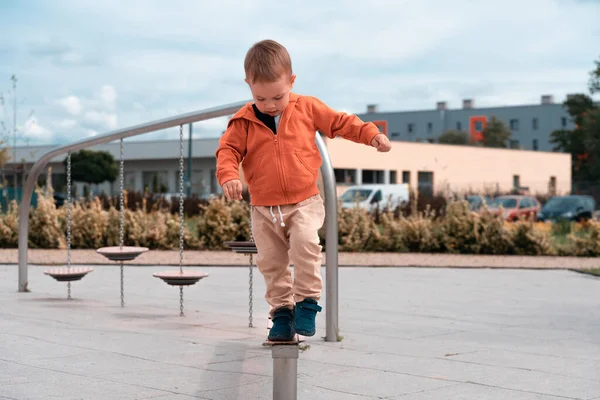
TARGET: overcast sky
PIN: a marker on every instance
(86, 67)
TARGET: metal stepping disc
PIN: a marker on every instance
(294, 342)
(178, 278)
(116, 253)
(68, 274)
(242, 247)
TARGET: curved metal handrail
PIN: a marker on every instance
(196, 116)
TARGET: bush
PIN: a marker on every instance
(420, 233)
(45, 228)
(529, 241)
(88, 224)
(584, 241)
(217, 224)
(417, 227)
(356, 230)
(9, 226)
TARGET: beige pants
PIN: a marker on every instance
(297, 241)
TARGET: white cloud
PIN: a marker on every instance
(65, 124)
(108, 94)
(104, 119)
(36, 131)
(71, 104)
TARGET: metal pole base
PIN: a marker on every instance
(285, 371)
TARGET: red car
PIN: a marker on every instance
(516, 207)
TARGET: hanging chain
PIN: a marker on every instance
(121, 222)
(69, 221)
(250, 270)
(181, 216)
(121, 200)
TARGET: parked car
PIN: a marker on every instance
(371, 196)
(568, 208)
(515, 207)
(477, 201)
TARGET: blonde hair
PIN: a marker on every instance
(266, 61)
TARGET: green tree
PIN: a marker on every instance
(582, 142)
(454, 137)
(496, 134)
(594, 82)
(93, 167)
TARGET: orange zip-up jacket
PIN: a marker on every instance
(283, 168)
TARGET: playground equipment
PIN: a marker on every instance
(68, 274)
(121, 253)
(181, 278)
(331, 260)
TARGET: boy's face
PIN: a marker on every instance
(272, 97)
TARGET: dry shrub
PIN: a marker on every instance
(45, 228)
(529, 241)
(420, 232)
(88, 225)
(494, 237)
(9, 226)
(356, 230)
(217, 224)
(461, 229)
(584, 240)
(391, 238)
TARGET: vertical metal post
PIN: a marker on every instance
(285, 371)
(14, 79)
(331, 237)
(189, 171)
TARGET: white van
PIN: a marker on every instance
(372, 196)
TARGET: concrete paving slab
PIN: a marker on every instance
(408, 333)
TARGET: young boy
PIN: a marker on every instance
(274, 136)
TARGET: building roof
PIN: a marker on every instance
(132, 150)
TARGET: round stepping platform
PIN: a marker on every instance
(66, 274)
(242, 247)
(178, 278)
(294, 342)
(116, 253)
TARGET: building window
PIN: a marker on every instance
(535, 144)
(514, 124)
(534, 124)
(345, 176)
(478, 126)
(393, 176)
(372, 176)
(425, 180)
(395, 135)
(516, 182)
(405, 176)
(458, 126)
(514, 144)
(563, 122)
(156, 181)
(429, 128)
(552, 186)
(411, 128)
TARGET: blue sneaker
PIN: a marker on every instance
(282, 329)
(305, 314)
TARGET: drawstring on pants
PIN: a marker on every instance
(280, 216)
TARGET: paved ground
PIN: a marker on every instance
(228, 258)
(408, 334)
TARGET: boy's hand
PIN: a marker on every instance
(381, 143)
(233, 189)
